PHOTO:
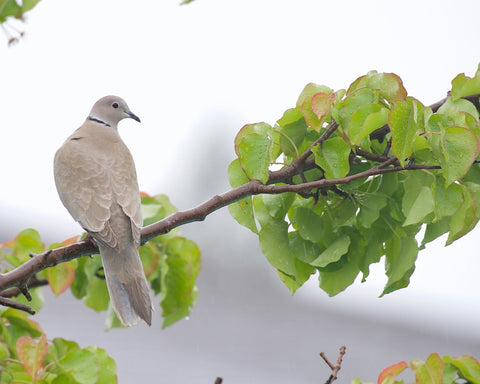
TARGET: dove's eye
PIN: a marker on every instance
(115, 105)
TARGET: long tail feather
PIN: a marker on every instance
(127, 285)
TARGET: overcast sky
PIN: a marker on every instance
(184, 69)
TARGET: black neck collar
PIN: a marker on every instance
(97, 120)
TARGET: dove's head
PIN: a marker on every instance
(110, 110)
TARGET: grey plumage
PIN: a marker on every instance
(97, 182)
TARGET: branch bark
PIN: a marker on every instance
(20, 276)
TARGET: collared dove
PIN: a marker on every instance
(97, 182)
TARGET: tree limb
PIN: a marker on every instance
(21, 275)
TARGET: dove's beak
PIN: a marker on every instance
(133, 116)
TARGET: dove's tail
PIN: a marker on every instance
(127, 285)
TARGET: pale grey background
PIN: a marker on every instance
(195, 75)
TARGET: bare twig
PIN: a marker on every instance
(334, 368)
(15, 304)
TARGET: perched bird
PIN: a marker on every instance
(97, 183)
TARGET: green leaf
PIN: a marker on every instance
(150, 256)
(370, 207)
(334, 282)
(242, 210)
(309, 225)
(400, 256)
(290, 133)
(254, 154)
(60, 347)
(365, 120)
(341, 214)
(11, 8)
(155, 208)
(389, 85)
(26, 242)
(465, 86)
(448, 199)
(60, 277)
(236, 174)
(435, 230)
(343, 111)
(303, 273)
(97, 295)
(332, 156)
(303, 250)
(108, 368)
(333, 253)
(81, 365)
(4, 353)
(463, 219)
(179, 272)
(429, 372)
(461, 149)
(277, 206)
(79, 286)
(460, 112)
(405, 119)
(275, 246)
(468, 367)
(417, 200)
(253, 147)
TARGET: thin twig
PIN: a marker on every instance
(34, 282)
(334, 368)
(15, 304)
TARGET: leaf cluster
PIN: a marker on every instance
(368, 168)
(436, 369)
(27, 356)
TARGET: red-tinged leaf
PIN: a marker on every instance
(32, 354)
(321, 103)
(464, 86)
(430, 371)
(144, 194)
(150, 255)
(60, 277)
(19, 319)
(262, 129)
(389, 374)
(389, 84)
(70, 240)
(306, 105)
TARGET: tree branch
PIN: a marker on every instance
(15, 304)
(21, 275)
